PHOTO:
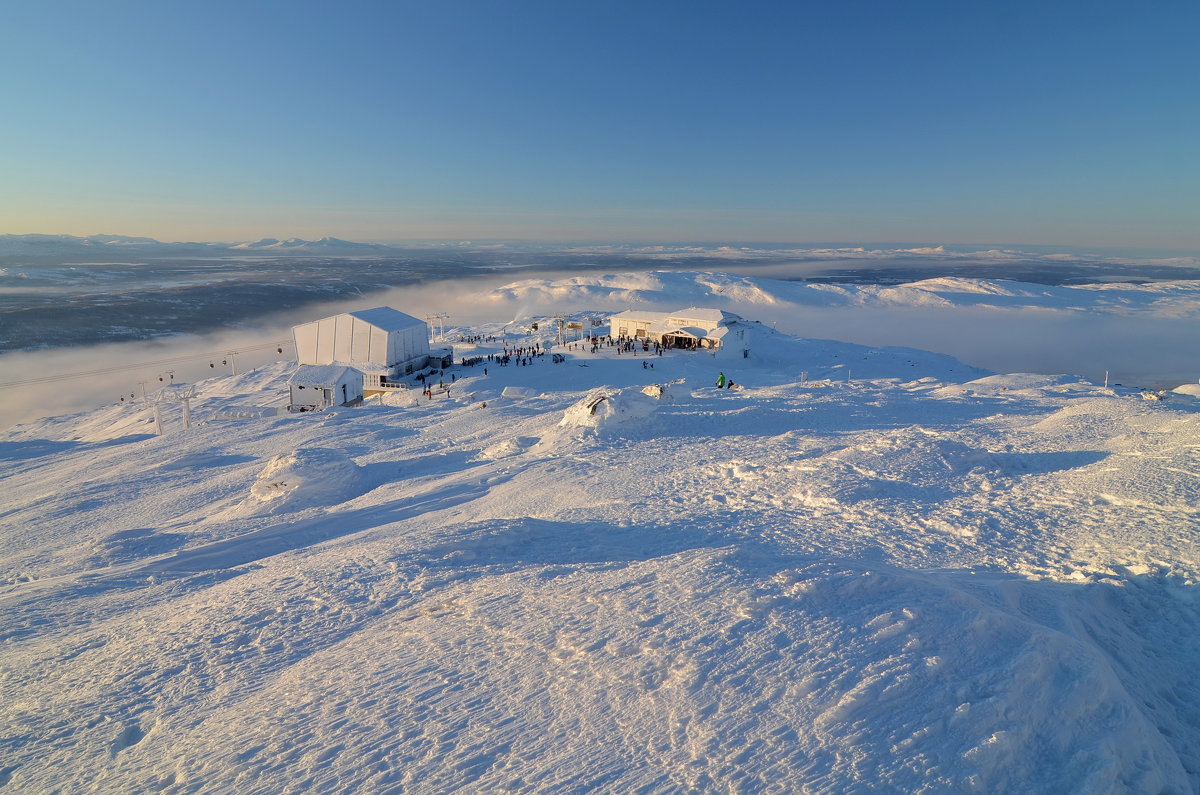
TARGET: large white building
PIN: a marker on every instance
(382, 343)
(693, 327)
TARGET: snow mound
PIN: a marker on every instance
(313, 476)
(1026, 385)
(658, 392)
(600, 409)
(1187, 389)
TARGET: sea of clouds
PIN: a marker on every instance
(136, 326)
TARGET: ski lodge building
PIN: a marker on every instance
(381, 345)
(688, 328)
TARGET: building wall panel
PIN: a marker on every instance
(325, 337)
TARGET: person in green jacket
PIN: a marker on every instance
(720, 380)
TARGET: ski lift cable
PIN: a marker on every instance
(138, 365)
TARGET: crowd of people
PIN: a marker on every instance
(624, 344)
(527, 355)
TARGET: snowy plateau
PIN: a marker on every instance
(899, 574)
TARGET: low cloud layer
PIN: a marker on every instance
(1144, 336)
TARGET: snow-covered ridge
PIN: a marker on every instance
(866, 255)
(295, 244)
(1171, 299)
(66, 246)
(900, 574)
(725, 257)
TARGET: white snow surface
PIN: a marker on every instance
(922, 577)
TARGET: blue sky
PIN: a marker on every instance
(930, 122)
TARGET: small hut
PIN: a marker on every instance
(316, 387)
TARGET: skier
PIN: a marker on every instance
(720, 380)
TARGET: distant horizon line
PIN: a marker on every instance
(476, 241)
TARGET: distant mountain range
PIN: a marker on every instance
(121, 246)
(326, 245)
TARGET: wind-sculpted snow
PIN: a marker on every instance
(902, 574)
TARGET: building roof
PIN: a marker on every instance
(715, 316)
(386, 318)
(711, 315)
(640, 314)
(691, 331)
(321, 374)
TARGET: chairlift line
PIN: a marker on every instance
(156, 363)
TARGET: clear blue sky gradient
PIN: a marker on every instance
(931, 122)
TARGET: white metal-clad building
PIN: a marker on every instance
(370, 339)
(315, 387)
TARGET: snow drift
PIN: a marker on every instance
(902, 574)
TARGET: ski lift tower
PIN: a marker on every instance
(437, 319)
(560, 325)
(176, 393)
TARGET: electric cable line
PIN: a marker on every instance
(139, 365)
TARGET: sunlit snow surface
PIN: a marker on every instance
(923, 577)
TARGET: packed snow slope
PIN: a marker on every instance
(902, 574)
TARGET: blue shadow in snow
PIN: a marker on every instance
(38, 448)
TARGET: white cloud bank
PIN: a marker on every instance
(1140, 334)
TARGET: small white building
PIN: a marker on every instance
(382, 343)
(693, 327)
(316, 387)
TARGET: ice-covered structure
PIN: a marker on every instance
(315, 387)
(693, 327)
(383, 344)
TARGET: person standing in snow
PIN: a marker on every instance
(720, 380)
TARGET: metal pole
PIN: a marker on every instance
(158, 419)
(187, 412)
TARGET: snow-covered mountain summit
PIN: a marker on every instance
(606, 574)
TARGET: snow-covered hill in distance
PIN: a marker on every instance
(324, 245)
(1177, 299)
(903, 574)
(1153, 264)
(37, 247)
